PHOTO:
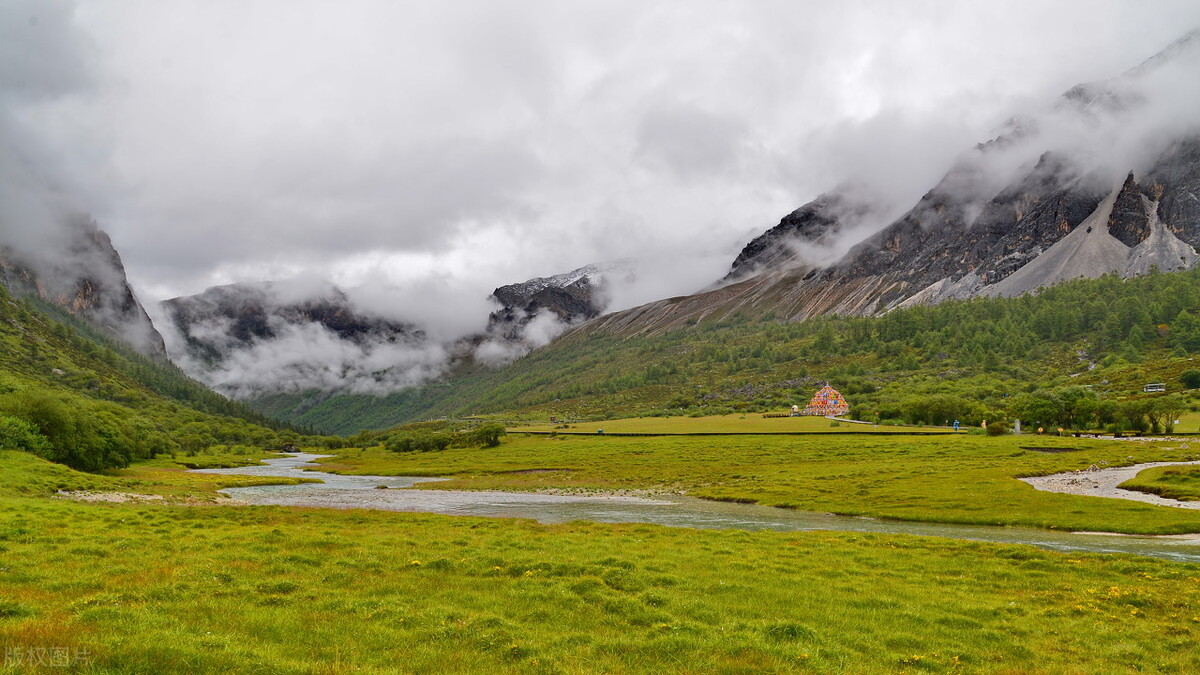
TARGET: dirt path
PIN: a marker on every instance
(1094, 482)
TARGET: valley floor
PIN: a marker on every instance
(159, 587)
(962, 479)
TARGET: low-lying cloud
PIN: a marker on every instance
(420, 155)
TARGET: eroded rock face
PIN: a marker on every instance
(80, 271)
(1174, 183)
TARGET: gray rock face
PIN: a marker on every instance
(1087, 251)
(782, 246)
(571, 298)
(1161, 249)
(84, 275)
(988, 227)
(225, 318)
(1175, 186)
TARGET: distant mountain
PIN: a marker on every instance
(224, 318)
(264, 339)
(78, 269)
(571, 298)
(248, 340)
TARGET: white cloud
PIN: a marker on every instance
(420, 154)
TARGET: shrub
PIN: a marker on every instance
(1190, 378)
(997, 429)
(487, 435)
(19, 434)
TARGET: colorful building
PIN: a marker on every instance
(827, 402)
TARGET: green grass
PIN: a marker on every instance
(949, 479)
(24, 475)
(1182, 482)
(137, 588)
(747, 423)
(215, 457)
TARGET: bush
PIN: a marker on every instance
(1190, 378)
(487, 435)
(83, 435)
(997, 429)
(19, 434)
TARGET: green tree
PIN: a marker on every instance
(1163, 411)
(488, 435)
(1078, 406)
(1190, 378)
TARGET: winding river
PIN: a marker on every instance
(339, 491)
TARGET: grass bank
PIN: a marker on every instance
(1182, 482)
(949, 479)
(140, 588)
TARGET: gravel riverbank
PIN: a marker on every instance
(1097, 482)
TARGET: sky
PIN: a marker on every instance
(437, 150)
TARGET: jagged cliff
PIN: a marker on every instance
(79, 270)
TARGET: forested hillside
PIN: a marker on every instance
(961, 359)
(73, 394)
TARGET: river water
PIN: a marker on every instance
(339, 491)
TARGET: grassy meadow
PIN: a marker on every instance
(950, 479)
(739, 423)
(155, 588)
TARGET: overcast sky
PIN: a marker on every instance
(454, 146)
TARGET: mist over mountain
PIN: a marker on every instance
(249, 339)
(83, 274)
(50, 246)
(253, 339)
(1104, 180)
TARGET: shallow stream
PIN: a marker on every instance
(339, 491)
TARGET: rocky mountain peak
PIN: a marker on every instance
(570, 298)
(81, 271)
(799, 237)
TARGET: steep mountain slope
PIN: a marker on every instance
(77, 269)
(994, 213)
(968, 356)
(73, 393)
(798, 239)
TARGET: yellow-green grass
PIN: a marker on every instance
(949, 479)
(1173, 482)
(138, 588)
(753, 423)
(22, 474)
